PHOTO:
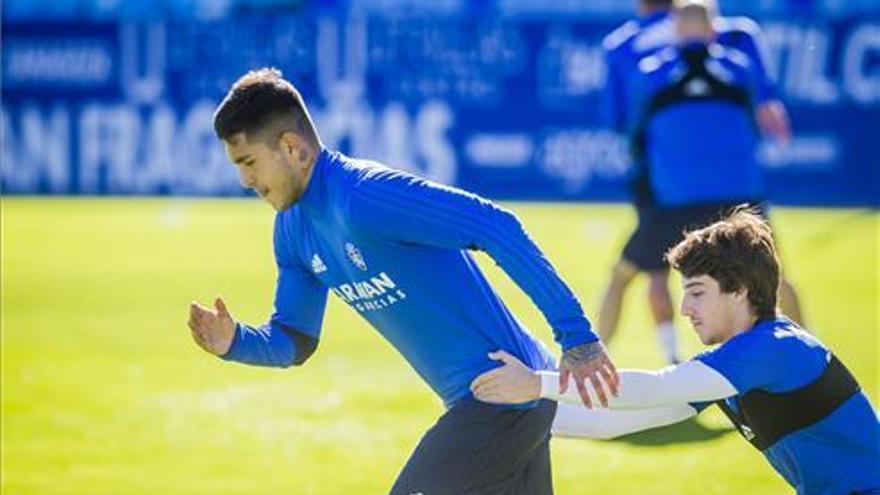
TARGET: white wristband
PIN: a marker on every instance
(549, 384)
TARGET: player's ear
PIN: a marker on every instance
(288, 143)
(294, 147)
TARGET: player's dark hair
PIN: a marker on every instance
(262, 104)
(738, 252)
(657, 3)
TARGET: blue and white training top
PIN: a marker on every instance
(840, 454)
(394, 247)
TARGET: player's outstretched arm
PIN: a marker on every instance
(273, 344)
(515, 383)
(689, 382)
(576, 421)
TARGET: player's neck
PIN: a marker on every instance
(649, 10)
(743, 322)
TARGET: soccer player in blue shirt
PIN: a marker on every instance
(695, 124)
(394, 247)
(784, 390)
(655, 30)
(626, 47)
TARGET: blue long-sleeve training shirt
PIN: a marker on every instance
(697, 131)
(840, 454)
(636, 39)
(394, 247)
(624, 47)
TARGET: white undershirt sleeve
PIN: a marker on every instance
(576, 421)
(691, 381)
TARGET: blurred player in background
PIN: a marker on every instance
(394, 247)
(627, 109)
(786, 393)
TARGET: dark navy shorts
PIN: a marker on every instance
(477, 448)
(659, 229)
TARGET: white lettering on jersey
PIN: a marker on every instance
(372, 294)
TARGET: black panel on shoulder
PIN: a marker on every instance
(765, 417)
(697, 84)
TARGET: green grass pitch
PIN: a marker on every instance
(103, 391)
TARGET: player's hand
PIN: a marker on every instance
(588, 362)
(212, 329)
(513, 383)
(773, 120)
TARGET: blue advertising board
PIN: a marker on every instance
(504, 106)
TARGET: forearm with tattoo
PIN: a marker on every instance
(584, 353)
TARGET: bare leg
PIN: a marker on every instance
(609, 312)
(659, 297)
(660, 301)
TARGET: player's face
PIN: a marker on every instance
(267, 170)
(714, 314)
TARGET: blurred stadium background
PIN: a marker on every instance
(102, 390)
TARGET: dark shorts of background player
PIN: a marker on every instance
(660, 228)
(477, 448)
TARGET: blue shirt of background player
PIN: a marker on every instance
(838, 454)
(636, 39)
(700, 149)
(394, 248)
(624, 48)
(745, 36)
